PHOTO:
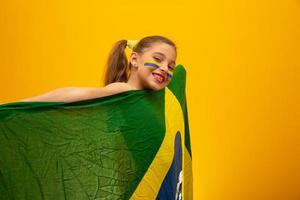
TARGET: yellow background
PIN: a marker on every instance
(242, 60)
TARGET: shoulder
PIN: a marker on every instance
(119, 86)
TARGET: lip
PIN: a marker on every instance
(160, 75)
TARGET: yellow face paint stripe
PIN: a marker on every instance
(153, 61)
(149, 186)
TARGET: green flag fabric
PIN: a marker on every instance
(130, 145)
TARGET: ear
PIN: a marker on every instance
(134, 57)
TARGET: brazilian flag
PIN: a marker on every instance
(130, 145)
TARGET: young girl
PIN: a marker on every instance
(151, 66)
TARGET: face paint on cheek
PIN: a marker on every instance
(152, 64)
(169, 74)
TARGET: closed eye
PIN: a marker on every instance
(157, 59)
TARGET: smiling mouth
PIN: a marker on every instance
(159, 78)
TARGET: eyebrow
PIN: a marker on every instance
(172, 61)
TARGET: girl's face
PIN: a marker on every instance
(154, 68)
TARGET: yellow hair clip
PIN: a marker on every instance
(131, 43)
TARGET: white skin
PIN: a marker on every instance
(141, 76)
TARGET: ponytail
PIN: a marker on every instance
(117, 64)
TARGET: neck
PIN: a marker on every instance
(134, 82)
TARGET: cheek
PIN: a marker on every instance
(144, 73)
(151, 65)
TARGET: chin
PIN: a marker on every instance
(156, 86)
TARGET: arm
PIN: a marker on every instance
(71, 94)
(60, 94)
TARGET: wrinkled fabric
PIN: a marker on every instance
(130, 145)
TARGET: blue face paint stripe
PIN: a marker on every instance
(151, 65)
(169, 75)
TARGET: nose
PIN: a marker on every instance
(164, 68)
